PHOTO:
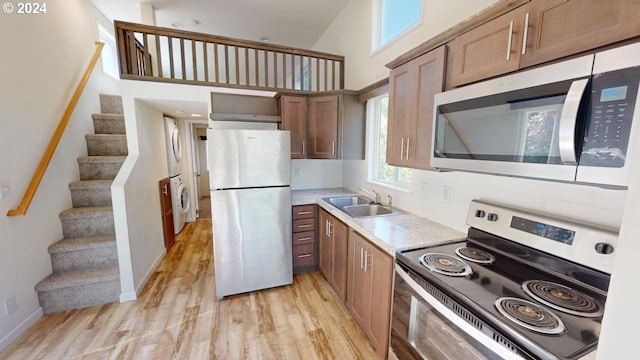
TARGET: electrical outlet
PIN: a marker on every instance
(446, 193)
(5, 190)
(10, 305)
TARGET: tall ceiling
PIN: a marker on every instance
(295, 23)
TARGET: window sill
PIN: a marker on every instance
(390, 186)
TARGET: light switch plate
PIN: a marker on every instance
(5, 190)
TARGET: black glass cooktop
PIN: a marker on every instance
(514, 264)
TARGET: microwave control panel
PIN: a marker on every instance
(612, 103)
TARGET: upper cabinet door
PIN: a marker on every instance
(490, 49)
(323, 127)
(429, 69)
(293, 110)
(402, 95)
(559, 28)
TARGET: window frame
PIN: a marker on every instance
(376, 27)
(110, 47)
(373, 149)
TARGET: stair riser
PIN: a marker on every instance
(116, 147)
(91, 197)
(111, 104)
(75, 227)
(99, 170)
(84, 259)
(108, 126)
(79, 296)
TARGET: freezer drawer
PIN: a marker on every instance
(251, 239)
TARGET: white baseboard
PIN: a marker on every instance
(130, 296)
(22, 327)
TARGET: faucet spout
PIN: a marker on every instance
(372, 193)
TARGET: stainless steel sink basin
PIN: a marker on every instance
(360, 207)
(343, 201)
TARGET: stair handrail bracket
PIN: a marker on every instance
(153, 53)
(57, 135)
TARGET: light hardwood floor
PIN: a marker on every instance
(177, 316)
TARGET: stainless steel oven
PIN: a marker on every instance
(573, 121)
(494, 296)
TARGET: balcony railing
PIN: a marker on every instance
(160, 54)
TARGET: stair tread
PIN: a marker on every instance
(82, 243)
(78, 278)
(108, 116)
(85, 211)
(90, 184)
(95, 159)
(118, 137)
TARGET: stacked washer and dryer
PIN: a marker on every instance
(180, 198)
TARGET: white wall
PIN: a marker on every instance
(40, 69)
(316, 174)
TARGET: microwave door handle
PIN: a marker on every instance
(568, 118)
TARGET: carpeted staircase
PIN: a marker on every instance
(85, 261)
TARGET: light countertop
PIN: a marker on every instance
(390, 233)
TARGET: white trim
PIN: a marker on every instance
(133, 295)
(21, 328)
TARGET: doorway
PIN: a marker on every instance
(201, 170)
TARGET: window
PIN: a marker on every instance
(379, 170)
(391, 18)
(109, 64)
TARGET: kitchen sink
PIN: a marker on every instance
(360, 207)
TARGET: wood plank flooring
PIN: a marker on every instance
(177, 316)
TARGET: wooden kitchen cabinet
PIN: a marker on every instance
(490, 49)
(412, 87)
(304, 238)
(293, 110)
(541, 31)
(369, 292)
(323, 127)
(332, 249)
(559, 28)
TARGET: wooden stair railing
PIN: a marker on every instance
(167, 55)
(55, 139)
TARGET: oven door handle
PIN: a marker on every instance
(456, 319)
(568, 119)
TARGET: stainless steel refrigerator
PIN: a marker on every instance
(250, 209)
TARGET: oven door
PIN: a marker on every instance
(423, 328)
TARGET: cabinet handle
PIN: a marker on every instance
(361, 256)
(509, 40)
(366, 260)
(304, 226)
(304, 256)
(330, 231)
(326, 228)
(402, 149)
(302, 147)
(333, 148)
(304, 212)
(304, 239)
(525, 34)
(407, 155)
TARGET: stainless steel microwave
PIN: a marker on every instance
(573, 121)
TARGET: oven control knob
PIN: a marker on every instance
(492, 217)
(480, 213)
(604, 248)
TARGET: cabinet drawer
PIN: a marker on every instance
(303, 255)
(304, 212)
(304, 237)
(304, 225)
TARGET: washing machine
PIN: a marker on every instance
(181, 201)
(174, 148)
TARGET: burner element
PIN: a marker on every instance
(445, 264)
(475, 255)
(530, 315)
(562, 298)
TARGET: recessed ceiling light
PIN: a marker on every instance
(196, 115)
(265, 39)
(177, 25)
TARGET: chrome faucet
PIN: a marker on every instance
(372, 193)
(390, 204)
